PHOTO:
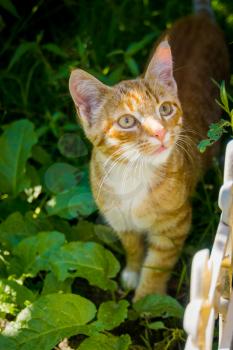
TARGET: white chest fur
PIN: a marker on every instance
(125, 187)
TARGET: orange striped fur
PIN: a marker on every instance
(142, 180)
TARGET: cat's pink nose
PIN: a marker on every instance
(160, 133)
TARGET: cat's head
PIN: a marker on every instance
(135, 118)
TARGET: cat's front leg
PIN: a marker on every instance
(163, 252)
(133, 244)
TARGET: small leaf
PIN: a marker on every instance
(87, 260)
(157, 305)
(106, 342)
(15, 144)
(8, 5)
(223, 96)
(111, 315)
(157, 325)
(203, 145)
(51, 318)
(32, 254)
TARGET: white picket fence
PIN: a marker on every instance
(211, 295)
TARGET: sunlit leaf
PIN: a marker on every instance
(32, 254)
(87, 260)
(106, 342)
(156, 305)
(110, 315)
(13, 296)
(41, 326)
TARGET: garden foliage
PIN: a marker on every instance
(59, 261)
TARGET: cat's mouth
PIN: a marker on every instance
(161, 149)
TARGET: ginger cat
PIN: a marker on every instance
(145, 161)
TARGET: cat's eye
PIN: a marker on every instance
(165, 109)
(127, 121)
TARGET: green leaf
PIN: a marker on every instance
(157, 325)
(111, 315)
(223, 96)
(40, 155)
(138, 46)
(51, 318)
(13, 296)
(17, 227)
(72, 203)
(32, 254)
(6, 343)
(7, 5)
(60, 177)
(21, 50)
(106, 342)
(157, 305)
(56, 50)
(132, 64)
(15, 144)
(203, 145)
(87, 231)
(87, 260)
(52, 285)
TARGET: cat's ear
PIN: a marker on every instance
(161, 66)
(88, 94)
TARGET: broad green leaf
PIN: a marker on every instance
(21, 50)
(60, 177)
(53, 48)
(17, 227)
(77, 201)
(15, 144)
(87, 260)
(156, 305)
(52, 285)
(49, 319)
(7, 343)
(111, 315)
(87, 231)
(9, 6)
(13, 296)
(106, 342)
(32, 254)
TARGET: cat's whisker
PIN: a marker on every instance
(119, 150)
(185, 151)
(115, 163)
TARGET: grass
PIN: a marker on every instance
(40, 43)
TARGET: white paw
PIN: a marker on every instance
(129, 279)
